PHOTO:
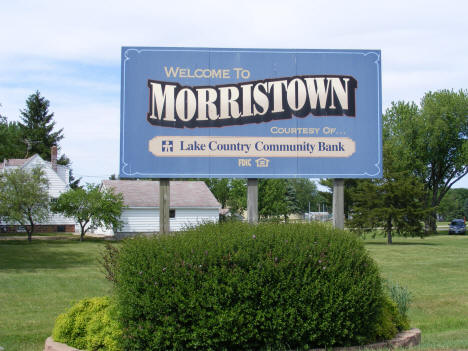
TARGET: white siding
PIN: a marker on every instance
(58, 219)
(140, 220)
(56, 184)
(146, 220)
(64, 173)
(185, 217)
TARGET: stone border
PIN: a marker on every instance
(51, 345)
(407, 338)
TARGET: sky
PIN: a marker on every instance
(71, 50)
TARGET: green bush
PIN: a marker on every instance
(236, 286)
(391, 320)
(91, 324)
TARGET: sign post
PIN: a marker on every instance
(338, 203)
(252, 200)
(164, 206)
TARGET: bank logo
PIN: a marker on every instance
(262, 162)
(167, 146)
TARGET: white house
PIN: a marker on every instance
(58, 177)
(191, 203)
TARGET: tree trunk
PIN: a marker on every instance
(83, 230)
(432, 222)
(31, 229)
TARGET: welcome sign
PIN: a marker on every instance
(254, 113)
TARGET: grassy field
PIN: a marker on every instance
(39, 281)
(435, 270)
(23, 234)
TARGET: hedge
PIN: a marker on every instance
(236, 286)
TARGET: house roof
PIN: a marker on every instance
(14, 162)
(145, 193)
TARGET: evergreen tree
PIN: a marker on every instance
(394, 202)
(37, 126)
(11, 145)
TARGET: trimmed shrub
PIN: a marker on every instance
(91, 324)
(236, 286)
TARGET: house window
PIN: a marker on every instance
(171, 213)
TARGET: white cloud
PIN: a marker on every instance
(70, 51)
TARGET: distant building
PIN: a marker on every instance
(58, 177)
(317, 216)
(191, 203)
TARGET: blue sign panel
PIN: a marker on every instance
(252, 113)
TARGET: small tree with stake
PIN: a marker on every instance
(91, 207)
(24, 198)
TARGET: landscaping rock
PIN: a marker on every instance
(407, 338)
(51, 345)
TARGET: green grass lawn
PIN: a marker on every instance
(24, 234)
(38, 281)
(435, 270)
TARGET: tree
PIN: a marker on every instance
(237, 201)
(92, 207)
(432, 142)
(220, 189)
(452, 205)
(306, 194)
(276, 197)
(394, 202)
(24, 198)
(465, 209)
(37, 126)
(12, 145)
